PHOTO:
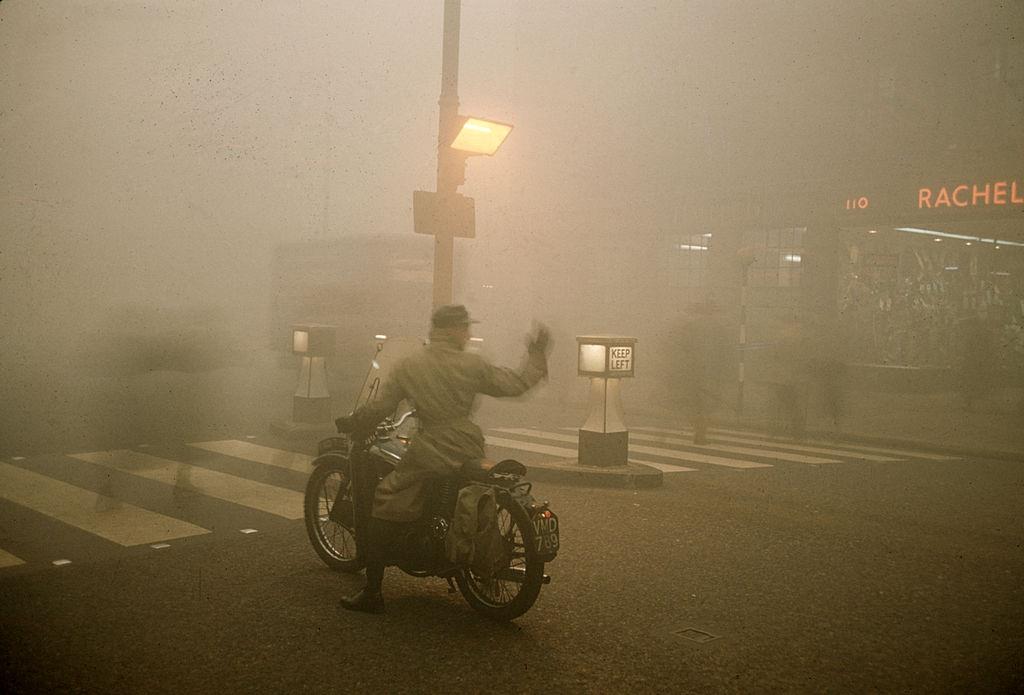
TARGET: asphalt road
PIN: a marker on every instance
(849, 577)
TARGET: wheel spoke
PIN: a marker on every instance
(335, 538)
(497, 591)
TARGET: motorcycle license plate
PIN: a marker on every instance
(545, 533)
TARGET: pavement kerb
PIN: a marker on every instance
(894, 442)
(632, 475)
(964, 451)
(931, 447)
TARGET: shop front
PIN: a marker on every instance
(931, 277)
(908, 287)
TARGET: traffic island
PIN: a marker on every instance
(632, 475)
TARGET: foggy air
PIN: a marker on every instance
(755, 273)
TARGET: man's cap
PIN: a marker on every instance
(450, 316)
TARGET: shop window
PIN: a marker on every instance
(916, 302)
(778, 256)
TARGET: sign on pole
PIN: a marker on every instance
(434, 213)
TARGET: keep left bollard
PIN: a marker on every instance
(604, 439)
(311, 402)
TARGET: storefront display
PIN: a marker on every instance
(918, 300)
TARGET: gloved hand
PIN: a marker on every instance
(541, 340)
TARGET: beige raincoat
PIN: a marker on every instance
(442, 381)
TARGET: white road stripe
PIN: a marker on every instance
(123, 523)
(838, 447)
(9, 560)
(294, 461)
(242, 491)
(664, 467)
(572, 453)
(248, 451)
(530, 446)
(638, 449)
(746, 451)
(776, 443)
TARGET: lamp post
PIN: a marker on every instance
(746, 256)
(445, 214)
(450, 166)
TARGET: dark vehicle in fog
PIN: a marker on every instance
(337, 504)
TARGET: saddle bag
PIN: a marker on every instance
(474, 539)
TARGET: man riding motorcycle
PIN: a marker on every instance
(442, 380)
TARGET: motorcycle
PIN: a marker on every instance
(339, 495)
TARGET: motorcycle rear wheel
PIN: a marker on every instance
(512, 591)
(333, 539)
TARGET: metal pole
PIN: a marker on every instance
(448, 161)
(743, 338)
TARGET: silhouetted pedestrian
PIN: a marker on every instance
(703, 353)
(826, 367)
(789, 371)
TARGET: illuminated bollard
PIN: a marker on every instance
(604, 439)
(311, 403)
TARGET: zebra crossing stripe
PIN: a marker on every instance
(838, 449)
(564, 453)
(560, 452)
(231, 488)
(664, 467)
(295, 461)
(691, 457)
(9, 560)
(763, 453)
(786, 445)
(121, 522)
(789, 446)
(281, 458)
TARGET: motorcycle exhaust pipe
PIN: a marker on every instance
(518, 575)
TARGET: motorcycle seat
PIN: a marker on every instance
(488, 468)
(508, 467)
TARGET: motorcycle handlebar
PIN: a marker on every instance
(406, 416)
(347, 423)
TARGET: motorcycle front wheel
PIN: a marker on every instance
(330, 514)
(513, 590)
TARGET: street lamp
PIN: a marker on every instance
(481, 136)
(445, 214)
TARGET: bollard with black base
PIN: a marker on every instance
(604, 439)
(311, 402)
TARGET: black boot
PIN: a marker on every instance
(366, 600)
